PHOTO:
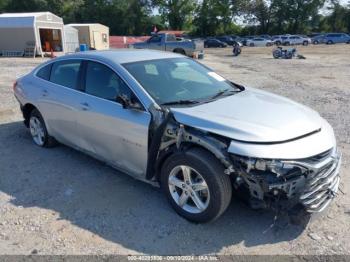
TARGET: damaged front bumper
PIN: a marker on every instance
(312, 182)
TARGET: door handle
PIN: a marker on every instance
(85, 106)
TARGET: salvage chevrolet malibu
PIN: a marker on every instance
(166, 119)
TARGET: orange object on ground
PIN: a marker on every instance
(47, 46)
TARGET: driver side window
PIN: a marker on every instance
(103, 82)
(155, 39)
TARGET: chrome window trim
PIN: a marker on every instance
(34, 73)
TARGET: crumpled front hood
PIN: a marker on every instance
(253, 116)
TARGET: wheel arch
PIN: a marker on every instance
(179, 50)
(27, 110)
(172, 150)
(173, 137)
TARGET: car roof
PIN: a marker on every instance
(123, 55)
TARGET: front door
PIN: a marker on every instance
(155, 43)
(110, 132)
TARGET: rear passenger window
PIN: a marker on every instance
(65, 73)
(44, 73)
(103, 82)
(171, 38)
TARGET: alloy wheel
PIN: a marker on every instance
(37, 131)
(188, 189)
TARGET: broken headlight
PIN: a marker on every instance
(263, 165)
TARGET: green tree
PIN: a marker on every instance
(177, 13)
(295, 16)
(25, 5)
(260, 12)
(339, 18)
(3, 4)
(215, 17)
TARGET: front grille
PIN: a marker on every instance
(322, 180)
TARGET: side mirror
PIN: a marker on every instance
(129, 104)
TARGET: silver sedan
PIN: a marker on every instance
(166, 119)
(258, 41)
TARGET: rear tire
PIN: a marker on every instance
(216, 190)
(329, 42)
(38, 130)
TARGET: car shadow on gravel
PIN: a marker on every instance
(110, 204)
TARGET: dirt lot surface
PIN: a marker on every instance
(60, 201)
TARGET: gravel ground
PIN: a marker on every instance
(60, 201)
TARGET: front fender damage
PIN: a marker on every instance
(262, 189)
(169, 136)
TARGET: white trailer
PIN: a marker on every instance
(42, 31)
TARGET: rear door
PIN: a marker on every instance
(298, 40)
(293, 40)
(110, 132)
(58, 102)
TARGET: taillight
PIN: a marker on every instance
(14, 85)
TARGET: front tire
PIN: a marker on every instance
(196, 185)
(276, 54)
(38, 130)
(305, 43)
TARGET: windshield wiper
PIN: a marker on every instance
(224, 92)
(180, 102)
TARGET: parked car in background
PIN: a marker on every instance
(265, 36)
(318, 39)
(312, 35)
(336, 38)
(244, 39)
(226, 39)
(167, 120)
(235, 37)
(168, 42)
(212, 42)
(258, 41)
(277, 39)
(296, 40)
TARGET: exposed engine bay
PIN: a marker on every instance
(266, 183)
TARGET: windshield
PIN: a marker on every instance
(176, 80)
